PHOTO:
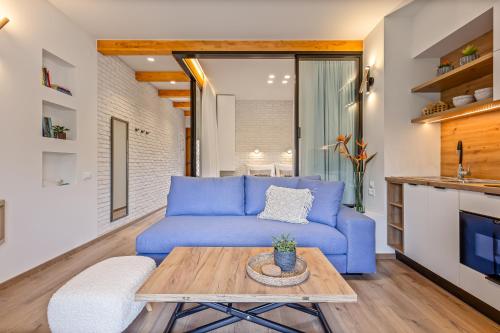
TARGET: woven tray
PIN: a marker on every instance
(297, 276)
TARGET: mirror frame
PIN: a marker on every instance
(113, 119)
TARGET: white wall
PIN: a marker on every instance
(42, 223)
(437, 19)
(266, 125)
(153, 158)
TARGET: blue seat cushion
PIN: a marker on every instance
(327, 200)
(206, 196)
(256, 187)
(248, 230)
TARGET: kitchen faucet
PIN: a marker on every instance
(461, 171)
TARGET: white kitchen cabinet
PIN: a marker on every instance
(476, 284)
(480, 203)
(443, 236)
(416, 221)
(226, 130)
(431, 239)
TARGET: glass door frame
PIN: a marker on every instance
(296, 56)
(324, 56)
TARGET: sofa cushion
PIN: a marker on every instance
(256, 187)
(327, 200)
(174, 231)
(206, 196)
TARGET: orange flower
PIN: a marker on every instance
(341, 138)
(361, 144)
(362, 156)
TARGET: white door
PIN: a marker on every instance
(443, 236)
(416, 221)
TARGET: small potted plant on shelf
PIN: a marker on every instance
(468, 54)
(60, 132)
(444, 67)
(285, 254)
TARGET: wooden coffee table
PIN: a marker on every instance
(215, 278)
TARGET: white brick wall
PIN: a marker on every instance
(266, 125)
(153, 158)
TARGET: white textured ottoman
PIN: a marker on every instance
(101, 298)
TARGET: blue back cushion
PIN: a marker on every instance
(327, 200)
(256, 187)
(206, 196)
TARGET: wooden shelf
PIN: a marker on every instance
(465, 73)
(395, 226)
(395, 204)
(487, 105)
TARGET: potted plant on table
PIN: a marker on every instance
(60, 132)
(285, 254)
(359, 164)
(468, 54)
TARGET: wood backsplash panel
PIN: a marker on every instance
(481, 142)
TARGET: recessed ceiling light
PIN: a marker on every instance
(287, 77)
(271, 76)
(270, 81)
(150, 59)
(173, 82)
(284, 81)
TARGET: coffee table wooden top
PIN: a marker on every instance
(218, 274)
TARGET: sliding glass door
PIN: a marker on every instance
(328, 105)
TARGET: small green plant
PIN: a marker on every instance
(283, 243)
(59, 129)
(469, 50)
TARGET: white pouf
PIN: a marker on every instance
(101, 298)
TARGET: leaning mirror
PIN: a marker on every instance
(119, 168)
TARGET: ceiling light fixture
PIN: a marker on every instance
(173, 82)
(284, 81)
(3, 21)
(271, 76)
(287, 77)
(256, 151)
(270, 81)
(151, 59)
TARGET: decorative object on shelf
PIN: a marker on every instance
(3, 21)
(46, 77)
(482, 94)
(468, 54)
(285, 254)
(47, 127)
(60, 132)
(462, 100)
(61, 89)
(444, 67)
(255, 265)
(359, 164)
(367, 81)
(432, 108)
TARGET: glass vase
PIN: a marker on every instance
(358, 191)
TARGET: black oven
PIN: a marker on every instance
(480, 244)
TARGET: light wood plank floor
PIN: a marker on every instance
(396, 299)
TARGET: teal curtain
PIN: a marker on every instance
(327, 107)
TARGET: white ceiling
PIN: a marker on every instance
(247, 78)
(227, 19)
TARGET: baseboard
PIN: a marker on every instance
(463, 295)
(63, 256)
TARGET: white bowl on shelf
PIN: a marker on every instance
(484, 93)
(462, 100)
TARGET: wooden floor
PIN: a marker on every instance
(396, 299)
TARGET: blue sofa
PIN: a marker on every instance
(223, 212)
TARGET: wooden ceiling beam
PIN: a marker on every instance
(182, 105)
(161, 76)
(166, 47)
(187, 113)
(174, 93)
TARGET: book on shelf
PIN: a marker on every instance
(46, 77)
(62, 89)
(47, 127)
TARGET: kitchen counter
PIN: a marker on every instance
(469, 184)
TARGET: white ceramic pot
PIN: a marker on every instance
(462, 100)
(484, 93)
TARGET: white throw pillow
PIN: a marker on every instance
(287, 204)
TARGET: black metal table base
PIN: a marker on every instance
(252, 315)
